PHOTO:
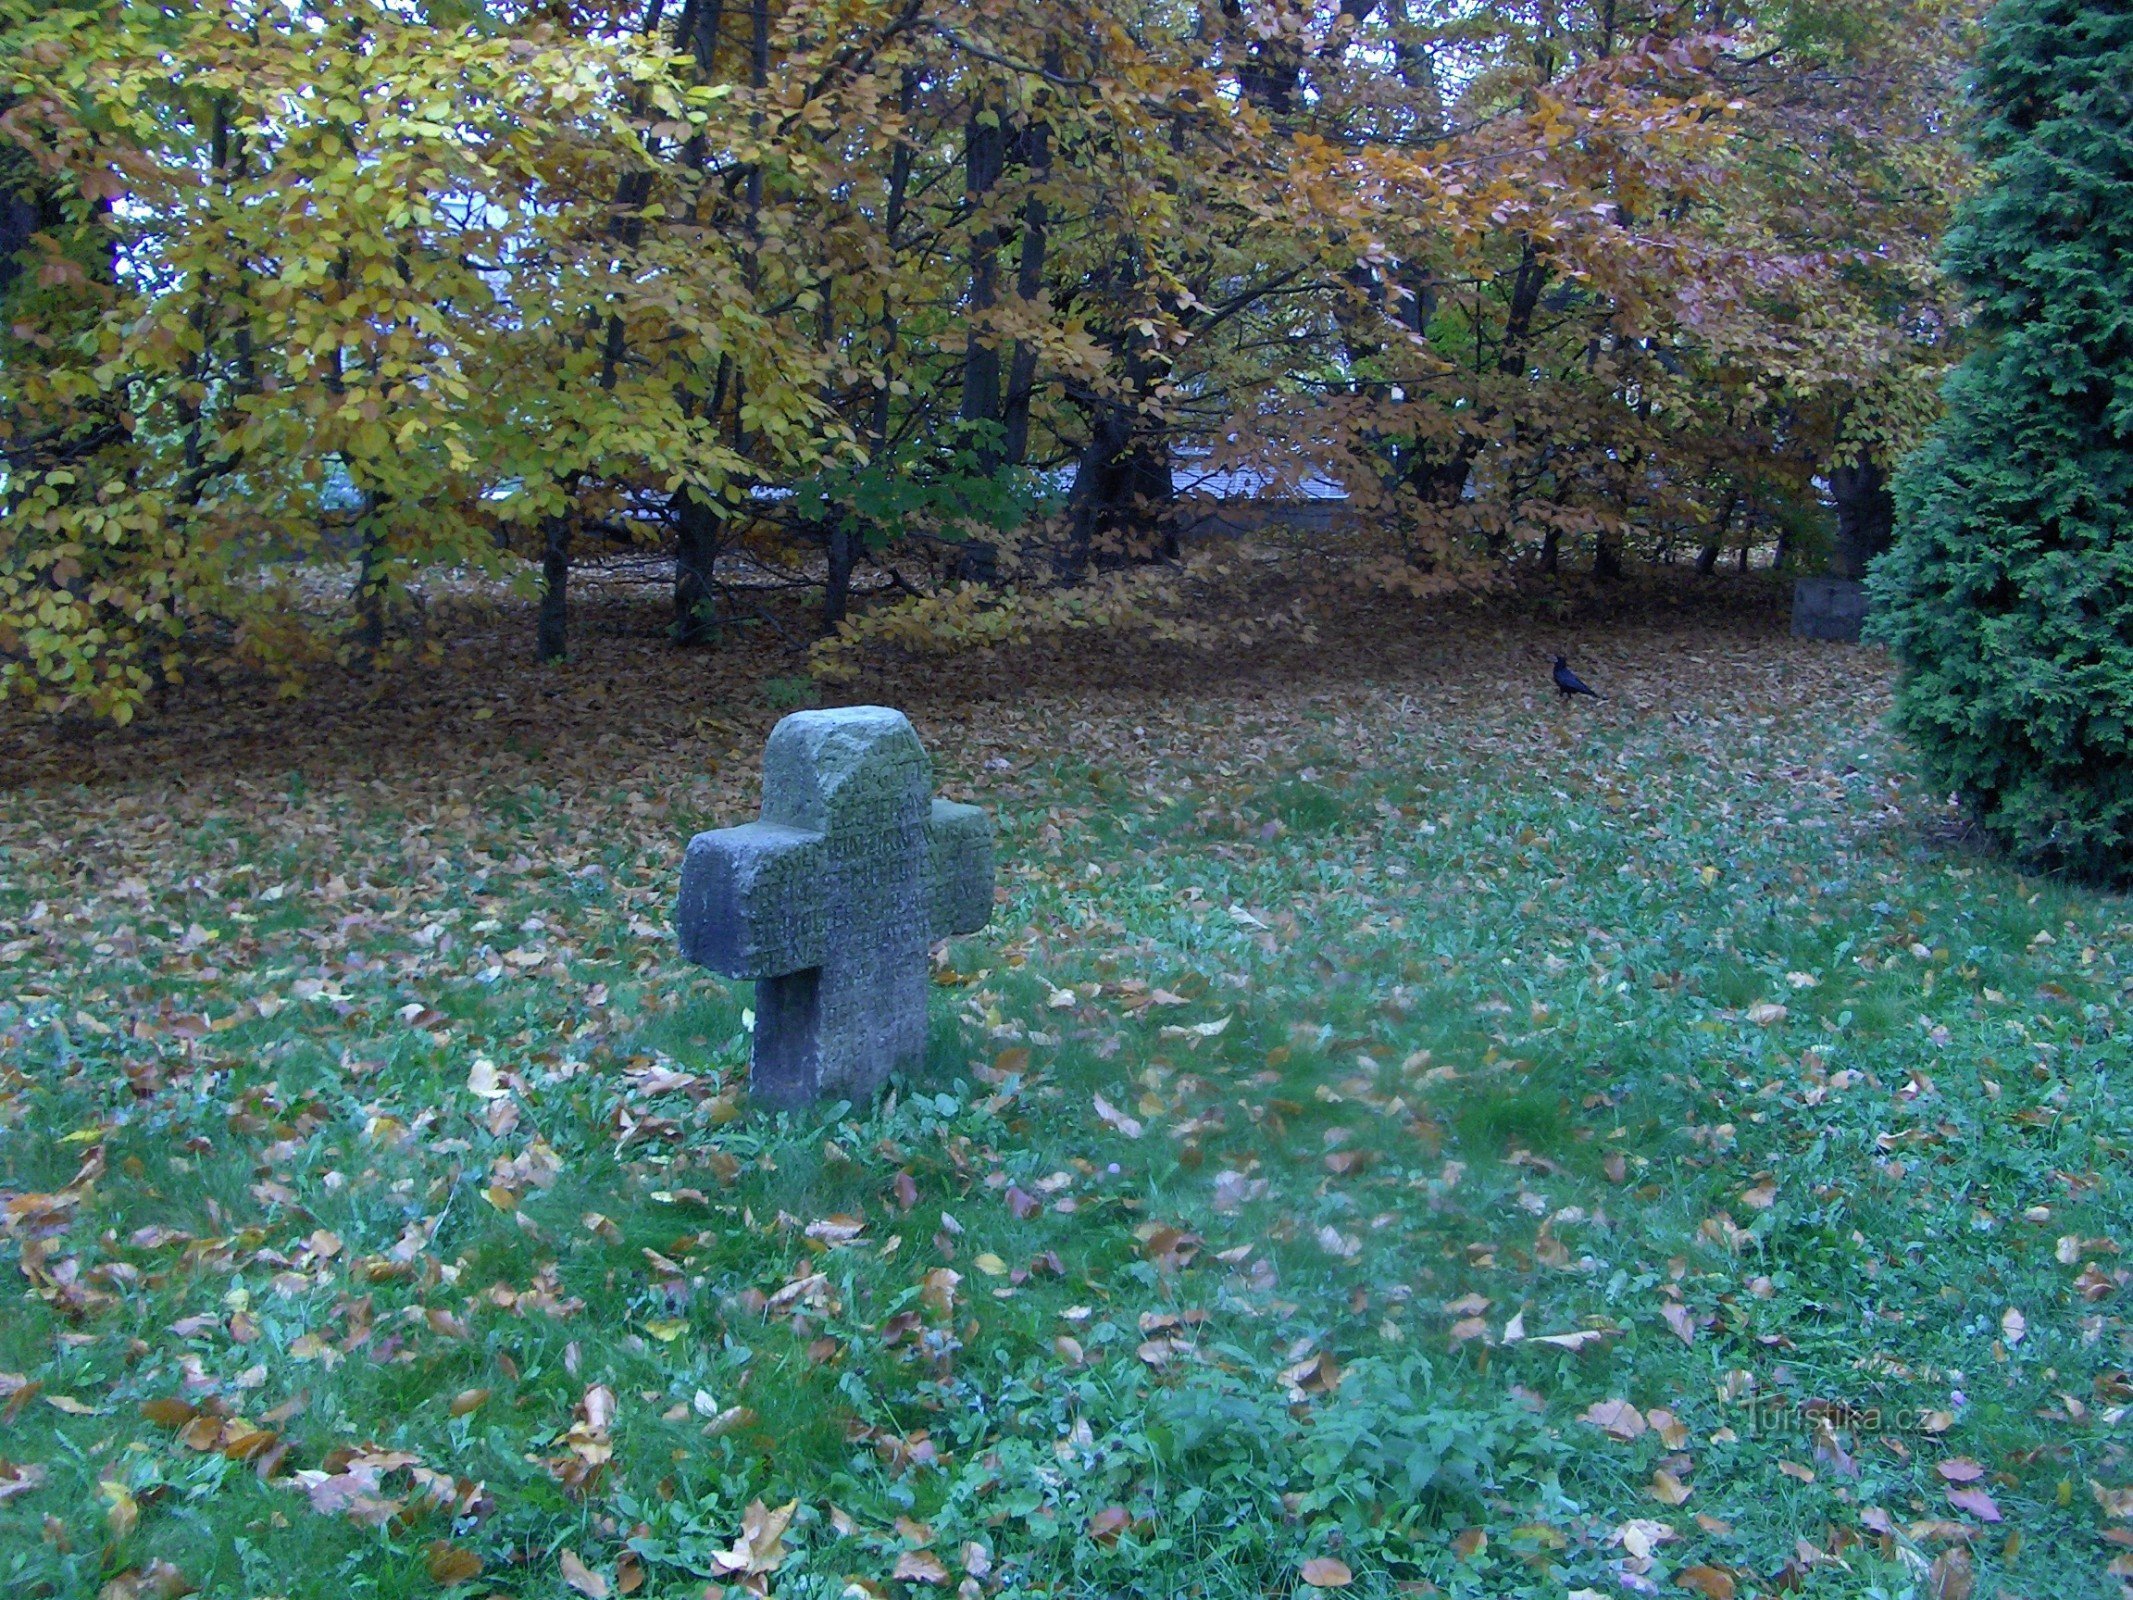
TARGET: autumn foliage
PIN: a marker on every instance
(310, 306)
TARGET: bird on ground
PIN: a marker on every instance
(1569, 683)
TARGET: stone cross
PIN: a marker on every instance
(832, 900)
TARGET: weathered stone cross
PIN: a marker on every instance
(831, 901)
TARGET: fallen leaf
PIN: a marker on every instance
(1975, 1501)
(1112, 1117)
(1951, 1577)
(920, 1566)
(450, 1563)
(581, 1577)
(1616, 1417)
(1109, 1523)
(1640, 1536)
(760, 1547)
(125, 1513)
(1667, 1489)
(1327, 1572)
(1714, 1583)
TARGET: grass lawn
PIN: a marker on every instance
(1398, 1132)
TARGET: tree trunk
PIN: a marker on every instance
(696, 544)
(370, 589)
(837, 594)
(1036, 145)
(551, 632)
(984, 156)
(1866, 517)
(1714, 542)
(28, 204)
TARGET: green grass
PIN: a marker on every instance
(1422, 1028)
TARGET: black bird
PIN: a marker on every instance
(1569, 683)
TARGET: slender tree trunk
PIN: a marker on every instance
(370, 584)
(837, 595)
(1707, 557)
(1029, 288)
(984, 156)
(696, 542)
(551, 633)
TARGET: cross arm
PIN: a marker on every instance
(959, 848)
(751, 902)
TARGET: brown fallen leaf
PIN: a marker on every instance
(169, 1413)
(760, 1547)
(18, 1479)
(449, 1563)
(1951, 1577)
(920, 1566)
(581, 1577)
(1975, 1501)
(1714, 1583)
(1667, 1489)
(1617, 1417)
(1571, 1341)
(1112, 1117)
(1327, 1572)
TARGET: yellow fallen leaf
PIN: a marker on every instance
(125, 1513)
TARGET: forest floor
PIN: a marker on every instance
(1400, 1134)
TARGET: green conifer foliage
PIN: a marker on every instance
(2008, 598)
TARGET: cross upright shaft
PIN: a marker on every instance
(830, 901)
